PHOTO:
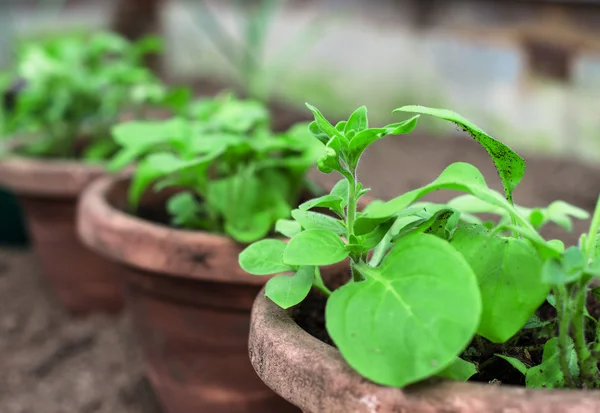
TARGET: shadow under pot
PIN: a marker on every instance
(190, 303)
(312, 375)
(48, 192)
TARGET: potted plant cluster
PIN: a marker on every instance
(206, 183)
(62, 96)
(439, 311)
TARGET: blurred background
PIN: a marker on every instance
(526, 71)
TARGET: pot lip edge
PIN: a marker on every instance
(279, 320)
(29, 167)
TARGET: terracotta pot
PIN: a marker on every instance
(48, 190)
(190, 304)
(313, 376)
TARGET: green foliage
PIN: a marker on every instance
(239, 177)
(434, 290)
(64, 93)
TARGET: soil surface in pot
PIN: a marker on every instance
(51, 363)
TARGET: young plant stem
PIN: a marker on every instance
(350, 218)
(564, 318)
(583, 353)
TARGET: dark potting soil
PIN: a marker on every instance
(53, 363)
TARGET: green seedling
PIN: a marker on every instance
(64, 93)
(237, 177)
(434, 291)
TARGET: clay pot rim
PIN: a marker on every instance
(47, 177)
(278, 346)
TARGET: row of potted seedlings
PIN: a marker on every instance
(202, 215)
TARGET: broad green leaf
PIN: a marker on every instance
(315, 247)
(510, 166)
(249, 227)
(412, 311)
(287, 291)
(287, 227)
(516, 363)
(358, 121)
(264, 257)
(460, 370)
(315, 220)
(458, 176)
(549, 375)
(508, 271)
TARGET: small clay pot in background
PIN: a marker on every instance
(190, 303)
(47, 191)
(313, 376)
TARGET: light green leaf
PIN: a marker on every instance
(358, 121)
(264, 257)
(458, 176)
(548, 375)
(460, 370)
(287, 227)
(287, 291)
(315, 220)
(510, 166)
(315, 247)
(508, 271)
(325, 126)
(433, 309)
(516, 363)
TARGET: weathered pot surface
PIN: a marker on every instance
(313, 376)
(48, 190)
(190, 303)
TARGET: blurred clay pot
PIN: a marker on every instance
(190, 303)
(313, 376)
(47, 191)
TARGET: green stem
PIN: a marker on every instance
(563, 334)
(583, 353)
(350, 218)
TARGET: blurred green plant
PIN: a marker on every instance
(63, 94)
(237, 177)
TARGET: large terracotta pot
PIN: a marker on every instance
(190, 304)
(47, 191)
(313, 376)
